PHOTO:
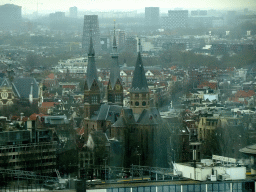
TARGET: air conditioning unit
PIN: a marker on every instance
(179, 173)
(213, 178)
(224, 177)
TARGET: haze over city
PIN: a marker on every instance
(117, 95)
(29, 6)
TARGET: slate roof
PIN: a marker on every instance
(22, 87)
(5, 82)
(120, 123)
(91, 67)
(150, 116)
(99, 138)
(109, 112)
(139, 81)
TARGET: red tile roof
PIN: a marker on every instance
(211, 85)
(51, 76)
(48, 104)
(34, 116)
(243, 93)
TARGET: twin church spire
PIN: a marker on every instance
(139, 89)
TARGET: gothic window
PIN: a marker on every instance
(86, 100)
(94, 99)
(117, 98)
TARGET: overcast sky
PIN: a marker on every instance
(63, 5)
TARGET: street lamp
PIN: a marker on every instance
(105, 168)
(139, 154)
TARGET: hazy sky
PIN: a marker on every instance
(63, 5)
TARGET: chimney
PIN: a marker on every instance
(21, 116)
(31, 94)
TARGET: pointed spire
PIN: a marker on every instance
(114, 70)
(91, 67)
(91, 51)
(139, 81)
(114, 39)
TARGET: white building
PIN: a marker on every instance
(218, 168)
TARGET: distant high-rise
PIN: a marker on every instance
(131, 44)
(10, 16)
(57, 16)
(91, 27)
(152, 16)
(73, 12)
(120, 38)
(199, 13)
(176, 19)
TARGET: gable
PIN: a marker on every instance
(94, 86)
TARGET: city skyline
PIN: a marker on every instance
(98, 5)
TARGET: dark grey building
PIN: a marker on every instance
(131, 44)
(151, 16)
(91, 27)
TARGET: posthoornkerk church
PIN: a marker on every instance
(123, 135)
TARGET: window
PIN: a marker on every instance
(4, 95)
(137, 103)
(94, 99)
(144, 103)
(117, 98)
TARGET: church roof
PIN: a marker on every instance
(126, 118)
(139, 81)
(149, 116)
(109, 112)
(22, 87)
(119, 123)
(5, 82)
(91, 67)
(99, 138)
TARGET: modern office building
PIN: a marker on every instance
(73, 12)
(151, 16)
(91, 28)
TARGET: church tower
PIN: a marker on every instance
(91, 87)
(139, 92)
(115, 87)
